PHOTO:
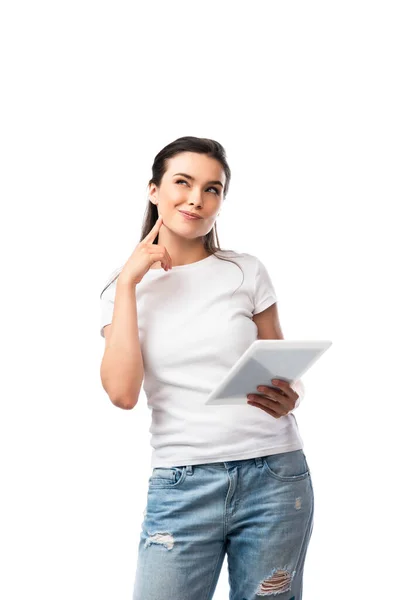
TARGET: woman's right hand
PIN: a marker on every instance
(145, 254)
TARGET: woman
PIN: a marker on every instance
(225, 479)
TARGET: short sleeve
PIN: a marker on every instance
(264, 292)
(107, 306)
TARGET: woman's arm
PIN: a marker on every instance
(121, 368)
(269, 328)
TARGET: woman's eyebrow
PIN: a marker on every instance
(192, 178)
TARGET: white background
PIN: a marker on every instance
(304, 96)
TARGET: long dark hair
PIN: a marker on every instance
(211, 148)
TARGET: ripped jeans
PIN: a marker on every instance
(258, 511)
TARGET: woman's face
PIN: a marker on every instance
(201, 193)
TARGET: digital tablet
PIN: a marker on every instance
(263, 361)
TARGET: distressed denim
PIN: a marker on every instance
(257, 511)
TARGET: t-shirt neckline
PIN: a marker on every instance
(188, 267)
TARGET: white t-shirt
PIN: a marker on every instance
(194, 322)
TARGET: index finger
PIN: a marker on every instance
(151, 236)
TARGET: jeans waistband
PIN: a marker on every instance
(258, 461)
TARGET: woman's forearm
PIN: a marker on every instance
(298, 387)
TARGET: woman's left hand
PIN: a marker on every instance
(277, 403)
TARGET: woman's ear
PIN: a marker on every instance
(152, 197)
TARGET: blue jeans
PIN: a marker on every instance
(259, 511)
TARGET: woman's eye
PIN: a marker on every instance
(210, 188)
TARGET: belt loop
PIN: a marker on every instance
(258, 461)
(189, 469)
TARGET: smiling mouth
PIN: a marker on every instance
(190, 215)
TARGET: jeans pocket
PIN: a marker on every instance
(167, 477)
(287, 466)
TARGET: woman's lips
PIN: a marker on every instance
(189, 217)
